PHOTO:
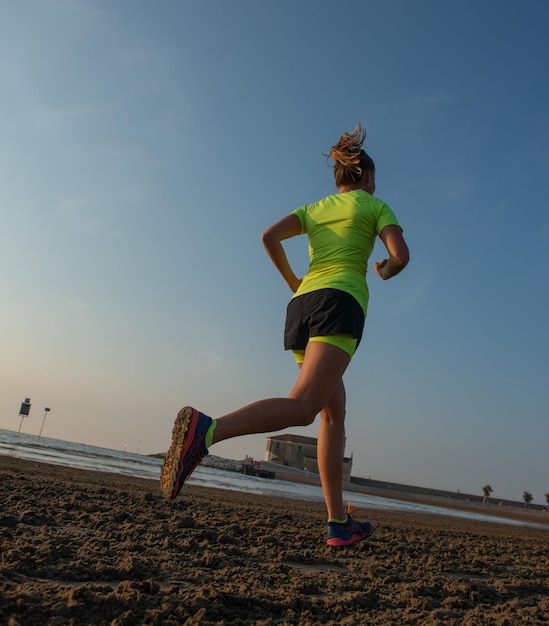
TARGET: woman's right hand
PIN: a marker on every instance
(381, 269)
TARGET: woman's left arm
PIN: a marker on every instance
(272, 239)
(397, 248)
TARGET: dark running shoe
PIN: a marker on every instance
(348, 533)
(186, 452)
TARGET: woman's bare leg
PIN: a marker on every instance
(319, 388)
(330, 451)
(320, 374)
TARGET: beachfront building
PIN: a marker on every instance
(299, 452)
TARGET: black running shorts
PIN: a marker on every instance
(320, 313)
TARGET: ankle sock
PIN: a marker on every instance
(210, 434)
(339, 521)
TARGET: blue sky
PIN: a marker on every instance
(144, 148)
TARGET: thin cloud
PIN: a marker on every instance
(416, 294)
(418, 111)
(81, 214)
(494, 379)
(78, 8)
(78, 309)
(56, 118)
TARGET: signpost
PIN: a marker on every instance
(24, 412)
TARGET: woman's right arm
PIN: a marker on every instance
(399, 255)
(272, 238)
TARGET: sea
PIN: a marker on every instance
(83, 456)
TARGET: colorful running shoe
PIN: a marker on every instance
(345, 534)
(187, 450)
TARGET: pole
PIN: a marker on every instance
(46, 411)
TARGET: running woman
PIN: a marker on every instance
(324, 324)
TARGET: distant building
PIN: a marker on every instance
(299, 452)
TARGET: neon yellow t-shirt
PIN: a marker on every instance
(342, 230)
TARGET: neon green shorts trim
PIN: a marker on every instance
(345, 342)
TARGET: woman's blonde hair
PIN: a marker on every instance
(350, 160)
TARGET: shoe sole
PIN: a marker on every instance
(342, 543)
(183, 431)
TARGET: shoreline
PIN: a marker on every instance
(505, 509)
(460, 502)
(85, 547)
(494, 510)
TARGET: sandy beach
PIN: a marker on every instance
(81, 547)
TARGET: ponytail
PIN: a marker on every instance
(350, 160)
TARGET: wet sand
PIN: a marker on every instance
(80, 547)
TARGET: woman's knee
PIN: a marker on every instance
(306, 413)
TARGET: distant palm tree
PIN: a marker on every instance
(486, 490)
(527, 497)
(547, 498)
